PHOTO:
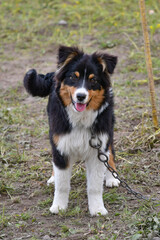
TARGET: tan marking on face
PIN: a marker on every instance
(65, 93)
(96, 98)
(55, 139)
(91, 76)
(111, 158)
(77, 74)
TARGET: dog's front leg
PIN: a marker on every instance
(62, 188)
(95, 178)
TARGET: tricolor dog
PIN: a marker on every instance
(80, 97)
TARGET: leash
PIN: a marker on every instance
(104, 158)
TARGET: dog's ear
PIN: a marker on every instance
(66, 54)
(107, 61)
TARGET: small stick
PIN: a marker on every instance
(148, 62)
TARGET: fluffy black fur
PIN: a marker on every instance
(38, 85)
(69, 59)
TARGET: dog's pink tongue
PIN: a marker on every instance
(80, 107)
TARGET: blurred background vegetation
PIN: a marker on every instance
(42, 25)
(38, 23)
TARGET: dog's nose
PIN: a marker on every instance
(81, 97)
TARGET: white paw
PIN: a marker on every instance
(55, 208)
(98, 211)
(112, 182)
(50, 180)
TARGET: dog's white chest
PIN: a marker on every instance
(75, 143)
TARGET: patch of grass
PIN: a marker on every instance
(145, 227)
(67, 231)
(5, 187)
(143, 136)
(102, 229)
(141, 222)
(4, 219)
(136, 62)
(23, 216)
(45, 203)
(36, 25)
(149, 227)
(34, 238)
(112, 197)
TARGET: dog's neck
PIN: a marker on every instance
(84, 119)
(81, 119)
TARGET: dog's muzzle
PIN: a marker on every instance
(80, 99)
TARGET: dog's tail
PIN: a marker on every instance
(38, 84)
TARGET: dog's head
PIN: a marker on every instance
(83, 79)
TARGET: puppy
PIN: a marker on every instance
(80, 98)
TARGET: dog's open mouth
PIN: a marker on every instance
(80, 107)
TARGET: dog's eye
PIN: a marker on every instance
(74, 77)
(93, 80)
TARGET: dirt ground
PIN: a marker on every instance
(26, 202)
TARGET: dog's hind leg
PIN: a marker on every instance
(51, 179)
(110, 180)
